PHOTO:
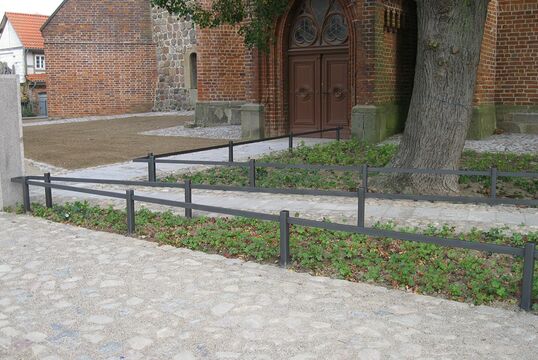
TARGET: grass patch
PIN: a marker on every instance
(354, 152)
(457, 274)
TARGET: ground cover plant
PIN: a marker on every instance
(354, 152)
(462, 275)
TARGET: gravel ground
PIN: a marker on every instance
(512, 143)
(71, 293)
(230, 132)
(94, 143)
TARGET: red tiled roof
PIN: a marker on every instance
(28, 27)
(37, 77)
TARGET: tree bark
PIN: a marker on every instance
(450, 35)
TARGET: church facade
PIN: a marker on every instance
(347, 63)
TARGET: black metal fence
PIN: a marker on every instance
(528, 252)
(232, 144)
(364, 171)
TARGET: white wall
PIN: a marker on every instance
(12, 51)
(9, 38)
(14, 57)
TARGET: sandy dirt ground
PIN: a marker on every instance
(81, 145)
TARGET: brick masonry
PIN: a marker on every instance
(130, 58)
(382, 55)
(100, 58)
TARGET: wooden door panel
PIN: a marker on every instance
(335, 100)
(304, 93)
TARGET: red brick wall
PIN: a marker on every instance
(485, 81)
(272, 70)
(101, 58)
(224, 65)
(374, 54)
(517, 53)
(395, 51)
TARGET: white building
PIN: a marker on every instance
(22, 49)
(21, 43)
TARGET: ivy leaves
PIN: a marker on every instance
(255, 18)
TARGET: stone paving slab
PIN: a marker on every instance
(131, 170)
(344, 210)
(227, 132)
(502, 143)
(71, 293)
(102, 118)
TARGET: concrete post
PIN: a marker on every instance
(11, 146)
(252, 121)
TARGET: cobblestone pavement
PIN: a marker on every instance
(463, 217)
(229, 132)
(29, 122)
(512, 143)
(70, 293)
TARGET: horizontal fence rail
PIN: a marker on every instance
(292, 191)
(232, 144)
(364, 171)
(528, 252)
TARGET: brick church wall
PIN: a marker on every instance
(516, 76)
(517, 53)
(100, 58)
(485, 81)
(395, 51)
(223, 65)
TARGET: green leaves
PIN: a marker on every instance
(255, 18)
(354, 152)
(458, 274)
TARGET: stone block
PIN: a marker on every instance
(363, 123)
(374, 123)
(483, 122)
(11, 145)
(518, 118)
(252, 121)
(212, 113)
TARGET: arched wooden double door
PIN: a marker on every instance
(318, 68)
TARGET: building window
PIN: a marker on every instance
(40, 62)
(194, 71)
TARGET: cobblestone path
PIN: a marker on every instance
(402, 213)
(70, 293)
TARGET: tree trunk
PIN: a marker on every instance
(450, 35)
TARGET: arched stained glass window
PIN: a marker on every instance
(319, 23)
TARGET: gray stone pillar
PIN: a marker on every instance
(364, 123)
(252, 121)
(11, 146)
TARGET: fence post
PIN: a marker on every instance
(285, 258)
(48, 191)
(252, 173)
(188, 198)
(130, 212)
(26, 195)
(365, 177)
(338, 133)
(493, 189)
(152, 168)
(290, 147)
(528, 274)
(231, 151)
(361, 197)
